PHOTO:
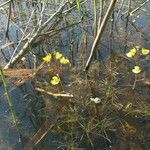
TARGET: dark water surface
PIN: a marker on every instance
(72, 44)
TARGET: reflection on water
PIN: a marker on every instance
(76, 44)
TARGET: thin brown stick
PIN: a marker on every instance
(54, 94)
(95, 19)
(100, 13)
(18, 73)
(8, 21)
(136, 9)
(100, 33)
(5, 3)
(12, 43)
(29, 43)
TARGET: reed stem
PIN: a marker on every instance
(10, 103)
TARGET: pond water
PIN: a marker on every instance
(75, 43)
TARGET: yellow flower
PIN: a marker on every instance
(145, 51)
(64, 61)
(47, 58)
(55, 80)
(136, 69)
(58, 55)
(131, 53)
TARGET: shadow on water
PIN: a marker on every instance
(121, 124)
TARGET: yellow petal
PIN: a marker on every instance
(133, 51)
(47, 58)
(136, 69)
(129, 54)
(145, 51)
(55, 80)
(58, 55)
(64, 60)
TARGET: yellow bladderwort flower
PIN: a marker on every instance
(133, 50)
(145, 51)
(64, 61)
(55, 80)
(136, 69)
(131, 53)
(47, 58)
(58, 55)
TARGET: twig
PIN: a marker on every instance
(122, 3)
(27, 45)
(5, 3)
(54, 94)
(95, 19)
(8, 21)
(100, 13)
(100, 33)
(59, 30)
(21, 38)
(38, 31)
(42, 12)
(136, 9)
(68, 10)
(133, 87)
(12, 43)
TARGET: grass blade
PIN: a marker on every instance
(10, 102)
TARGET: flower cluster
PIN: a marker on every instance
(58, 56)
(61, 58)
(133, 52)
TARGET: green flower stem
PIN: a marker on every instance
(9, 100)
(78, 3)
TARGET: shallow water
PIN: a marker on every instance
(75, 44)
